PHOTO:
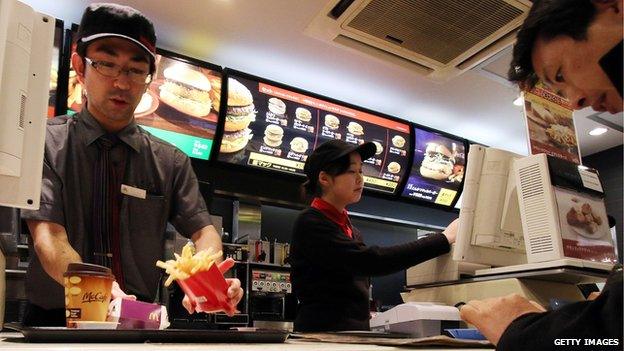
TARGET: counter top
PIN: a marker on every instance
(15, 341)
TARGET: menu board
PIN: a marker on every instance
(438, 169)
(181, 104)
(277, 128)
(54, 68)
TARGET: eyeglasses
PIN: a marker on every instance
(113, 70)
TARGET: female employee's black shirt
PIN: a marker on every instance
(330, 271)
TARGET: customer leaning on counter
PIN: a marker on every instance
(109, 188)
(331, 265)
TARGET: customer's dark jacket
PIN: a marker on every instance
(598, 320)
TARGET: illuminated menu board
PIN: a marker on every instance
(277, 128)
(181, 104)
(437, 172)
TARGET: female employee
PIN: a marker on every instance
(331, 264)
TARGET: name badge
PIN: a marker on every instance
(132, 191)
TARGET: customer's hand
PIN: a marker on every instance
(235, 294)
(451, 231)
(493, 316)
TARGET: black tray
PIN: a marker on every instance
(66, 335)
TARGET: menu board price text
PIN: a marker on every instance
(380, 182)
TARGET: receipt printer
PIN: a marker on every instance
(418, 319)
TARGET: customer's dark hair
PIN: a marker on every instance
(547, 19)
(333, 168)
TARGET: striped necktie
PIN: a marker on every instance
(106, 194)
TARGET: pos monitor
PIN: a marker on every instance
(26, 39)
(534, 212)
(25, 54)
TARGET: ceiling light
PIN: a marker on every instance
(519, 101)
(598, 131)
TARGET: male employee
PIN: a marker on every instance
(109, 188)
(575, 47)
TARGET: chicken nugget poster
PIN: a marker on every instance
(438, 168)
(584, 227)
(550, 125)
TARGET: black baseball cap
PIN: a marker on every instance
(331, 151)
(103, 20)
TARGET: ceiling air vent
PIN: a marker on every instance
(440, 38)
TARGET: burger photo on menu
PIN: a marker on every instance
(273, 135)
(438, 168)
(277, 109)
(394, 167)
(186, 90)
(438, 162)
(240, 113)
(355, 128)
(240, 107)
(277, 106)
(332, 122)
(303, 114)
(299, 145)
(215, 92)
(398, 141)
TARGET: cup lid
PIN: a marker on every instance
(87, 268)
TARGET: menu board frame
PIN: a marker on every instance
(228, 72)
(460, 189)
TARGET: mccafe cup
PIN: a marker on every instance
(87, 292)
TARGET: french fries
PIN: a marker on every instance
(188, 263)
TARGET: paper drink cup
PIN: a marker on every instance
(87, 292)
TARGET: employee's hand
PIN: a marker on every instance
(451, 231)
(493, 316)
(234, 293)
(117, 292)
